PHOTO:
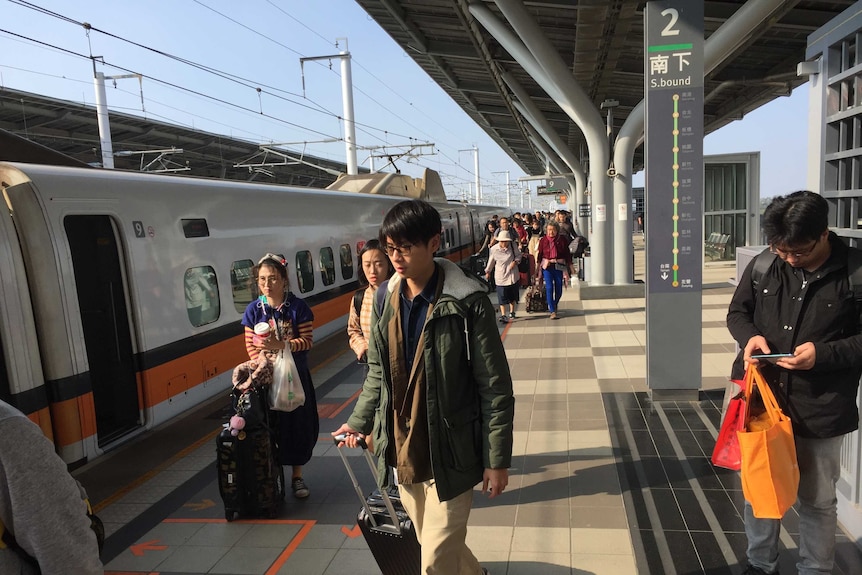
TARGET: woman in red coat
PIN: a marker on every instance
(554, 261)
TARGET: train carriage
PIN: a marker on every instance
(122, 293)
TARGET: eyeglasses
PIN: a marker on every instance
(268, 281)
(797, 254)
(403, 250)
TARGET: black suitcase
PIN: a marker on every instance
(478, 263)
(251, 481)
(393, 543)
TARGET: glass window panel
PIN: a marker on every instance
(243, 286)
(346, 261)
(741, 187)
(201, 293)
(304, 271)
(327, 266)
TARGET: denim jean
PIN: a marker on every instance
(553, 287)
(819, 469)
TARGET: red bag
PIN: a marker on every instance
(726, 453)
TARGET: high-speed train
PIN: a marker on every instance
(121, 294)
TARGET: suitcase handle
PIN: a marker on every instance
(396, 525)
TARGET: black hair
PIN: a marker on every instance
(276, 262)
(795, 219)
(410, 221)
(370, 245)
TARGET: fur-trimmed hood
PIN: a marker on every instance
(456, 283)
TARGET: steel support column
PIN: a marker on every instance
(536, 55)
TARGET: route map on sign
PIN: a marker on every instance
(675, 190)
(674, 154)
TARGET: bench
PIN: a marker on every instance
(715, 246)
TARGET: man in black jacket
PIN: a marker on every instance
(804, 305)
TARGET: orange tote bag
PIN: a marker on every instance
(770, 473)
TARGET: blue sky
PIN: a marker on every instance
(259, 43)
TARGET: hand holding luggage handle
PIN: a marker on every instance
(396, 526)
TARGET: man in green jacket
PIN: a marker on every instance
(438, 399)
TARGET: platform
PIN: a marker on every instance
(604, 481)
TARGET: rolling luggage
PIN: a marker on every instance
(477, 264)
(251, 481)
(535, 299)
(385, 525)
(524, 271)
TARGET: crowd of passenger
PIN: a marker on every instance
(540, 248)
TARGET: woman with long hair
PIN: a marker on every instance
(291, 321)
(374, 269)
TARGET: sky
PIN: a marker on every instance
(230, 49)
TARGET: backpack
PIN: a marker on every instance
(357, 299)
(578, 246)
(764, 259)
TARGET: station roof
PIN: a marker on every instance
(602, 41)
(33, 123)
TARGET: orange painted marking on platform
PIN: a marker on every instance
(307, 524)
(505, 331)
(345, 404)
(288, 551)
(325, 409)
(242, 521)
(141, 548)
(205, 504)
(352, 533)
(155, 471)
(326, 362)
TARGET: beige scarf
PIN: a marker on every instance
(412, 453)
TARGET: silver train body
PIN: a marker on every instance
(122, 293)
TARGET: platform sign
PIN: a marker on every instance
(584, 210)
(673, 75)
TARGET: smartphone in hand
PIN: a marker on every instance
(771, 357)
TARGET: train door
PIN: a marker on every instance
(472, 231)
(105, 320)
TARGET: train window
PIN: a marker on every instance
(346, 261)
(304, 271)
(201, 291)
(242, 284)
(327, 266)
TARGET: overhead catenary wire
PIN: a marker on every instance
(250, 84)
(355, 61)
(171, 84)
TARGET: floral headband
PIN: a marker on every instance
(270, 256)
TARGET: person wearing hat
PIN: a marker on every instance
(504, 258)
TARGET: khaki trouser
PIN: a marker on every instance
(441, 529)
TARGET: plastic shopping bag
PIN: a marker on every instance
(770, 473)
(726, 452)
(286, 393)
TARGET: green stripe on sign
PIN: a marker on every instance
(666, 47)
